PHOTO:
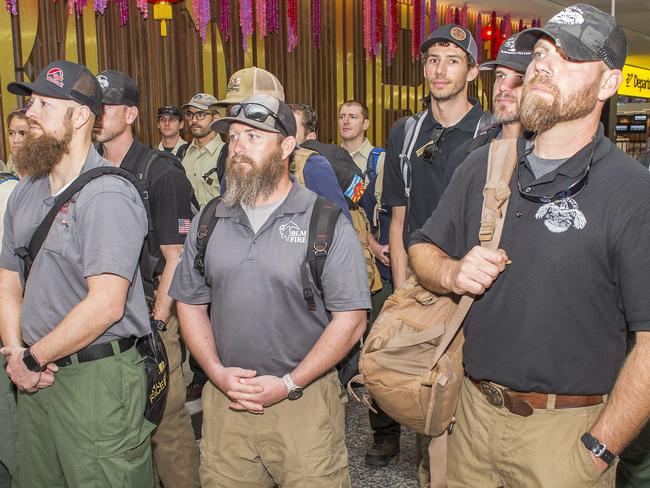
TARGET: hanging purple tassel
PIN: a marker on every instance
(12, 7)
(508, 29)
(433, 15)
(246, 21)
(123, 6)
(273, 17)
(315, 23)
(423, 18)
(456, 16)
(224, 23)
(100, 6)
(463, 17)
(479, 38)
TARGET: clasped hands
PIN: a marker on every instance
(250, 392)
(23, 378)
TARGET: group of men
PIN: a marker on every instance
(264, 274)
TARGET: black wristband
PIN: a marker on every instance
(597, 448)
(31, 362)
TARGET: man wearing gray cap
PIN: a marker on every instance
(202, 155)
(70, 327)
(549, 397)
(264, 350)
(510, 69)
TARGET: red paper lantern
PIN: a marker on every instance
(162, 11)
(487, 33)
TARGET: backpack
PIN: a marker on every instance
(321, 231)
(7, 177)
(372, 196)
(411, 362)
(353, 192)
(150, 346)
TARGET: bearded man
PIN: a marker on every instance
(69, 330)
(273, 410)
(549, 397)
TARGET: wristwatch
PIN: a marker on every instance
(31, 363)
(295, 391)
(597, 448)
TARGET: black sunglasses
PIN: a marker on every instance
(572, 191)
(431, 150)
(256, 112)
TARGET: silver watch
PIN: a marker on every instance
(294, 390)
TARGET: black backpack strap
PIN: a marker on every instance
(7, 177)
(180, 154)
(207, 223)
(321, 231)
(28, 254)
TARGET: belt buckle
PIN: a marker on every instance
(492, 394)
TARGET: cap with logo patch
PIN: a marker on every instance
(584, 33)
(169, 110)
(263, 112)
(64, 80)
(456, 35)
(118, 88)
(249, 81)
(202, 101)
(510, 57)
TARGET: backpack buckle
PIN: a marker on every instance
(486, 231)
(320, 248)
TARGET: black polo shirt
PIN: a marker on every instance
(428, 180)
(170, 193)
(554, 321)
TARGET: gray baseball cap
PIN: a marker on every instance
(584, 33)
(263, 112)
(456, 35)
(510, 57)
(202, 101)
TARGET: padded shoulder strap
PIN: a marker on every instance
(28, 254)
(411, 132)
(321, 231)
(299, 159)
(371, 164)
(7, 177)
(207, 223)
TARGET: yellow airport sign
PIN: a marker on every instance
(636, 82)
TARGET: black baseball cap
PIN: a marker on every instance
(118, 88)
(169, 110)
(510, 57)
(584, 33)
(64, 80)
(278, 118)
(456, 35)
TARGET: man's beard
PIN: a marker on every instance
(39, 155)
(245, 185)
(537, 114)
(506, 113)
(199, 132)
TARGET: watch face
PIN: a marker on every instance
(295, 393)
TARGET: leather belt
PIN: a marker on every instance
(521, 403)
(98, 351)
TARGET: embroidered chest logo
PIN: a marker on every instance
(290, 232)
(560, 215)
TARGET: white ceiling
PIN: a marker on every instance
(633, 15)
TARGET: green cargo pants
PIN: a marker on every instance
(88, 428)
(634, 465)
(8, 432)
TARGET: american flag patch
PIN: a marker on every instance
(183, 226)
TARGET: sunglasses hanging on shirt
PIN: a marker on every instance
(430, 150)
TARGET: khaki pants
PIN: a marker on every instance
(293, 444)
(491, 447)
(176, 457)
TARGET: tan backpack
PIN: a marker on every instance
(359, 219)
(411, 362)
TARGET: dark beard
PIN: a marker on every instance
(536, 114)
(246, 185)
(39, 155)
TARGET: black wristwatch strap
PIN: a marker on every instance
(31, 363)
(597, 448)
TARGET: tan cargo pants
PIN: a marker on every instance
(491, 447)
(293, 444)
(175, 454)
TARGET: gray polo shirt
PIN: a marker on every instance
(259, 317)
(100, 231)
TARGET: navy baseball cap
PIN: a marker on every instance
(584, 33)
(118, 88)
(510, 57)
(456, 35)
(64, 80)
(169, 110)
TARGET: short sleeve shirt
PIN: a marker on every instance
(199, 161)
(259, 317)
(99, 231)
(554, 321)
(428, 179)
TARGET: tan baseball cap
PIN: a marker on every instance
(250, 81)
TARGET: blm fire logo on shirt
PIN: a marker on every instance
(290, 232)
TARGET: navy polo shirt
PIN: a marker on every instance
(554, 321)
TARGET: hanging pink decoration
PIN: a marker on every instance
(367, 29)
(123, 6)
(100, 6)
(508, 30)
(433, 15)
(521, 25)
(292, 24)
(315, 23)
(378, 24)
(142, 5)
(245, 21)
(423, 24)
(478, 36)
(449, 16)
(12, 6)
(224, 23)
(456, 16)
(392, 23)
(463, 17)
(415, 31)
(272, 16)
(202, 13)
(260, 17)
